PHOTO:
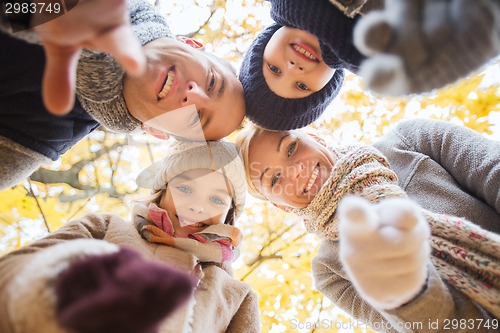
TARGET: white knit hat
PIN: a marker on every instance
(219, 156)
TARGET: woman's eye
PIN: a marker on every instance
(291, 148)
(274, 69)
(302, 86)
(184, 189)
(275, 179)
(211, 85)
(217, 201)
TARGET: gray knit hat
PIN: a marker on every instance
(99, 84)
(274, 112)
(219, 156)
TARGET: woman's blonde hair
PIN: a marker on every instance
(243, 141)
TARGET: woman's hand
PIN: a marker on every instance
(384, 249)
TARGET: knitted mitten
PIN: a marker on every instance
(118, 292)
(420, 45)
(384, 249)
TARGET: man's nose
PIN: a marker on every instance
(194, 94)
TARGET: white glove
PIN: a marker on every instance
(419, 45)
(384, 249)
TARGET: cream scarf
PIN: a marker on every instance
(465, 255)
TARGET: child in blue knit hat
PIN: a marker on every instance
(293, 70)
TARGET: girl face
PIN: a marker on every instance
(292, 66)
(288, 168)
(195, 200)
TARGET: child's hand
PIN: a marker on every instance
(118, 292)
(384, 249)
(419, 45)
(101, 25)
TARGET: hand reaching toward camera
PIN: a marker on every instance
(101, 25)
(419, 45)
(384, 249)
(92, 286)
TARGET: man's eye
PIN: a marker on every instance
(274, 69)
(291, 148)
(275, 179)
(211, 85)
(302, 86)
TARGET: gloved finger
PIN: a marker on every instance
(59, 78)
(373, 33)
(399, 213)
(357, 219)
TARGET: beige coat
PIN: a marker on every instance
(220, 304)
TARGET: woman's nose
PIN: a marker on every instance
(296, 170)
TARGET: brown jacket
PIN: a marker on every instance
(220, 304)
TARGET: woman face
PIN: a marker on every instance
(293, 66)
(288, 168)
(179, 76)
(195, 200)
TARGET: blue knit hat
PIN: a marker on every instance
(274, 112)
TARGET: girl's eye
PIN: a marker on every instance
(274, 69)
(275, 179)
(217, 201)
(291, 148)
(211, 85)
(184, 189)
(302, 86)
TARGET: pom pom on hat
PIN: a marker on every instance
(181, 156)
(267, 109)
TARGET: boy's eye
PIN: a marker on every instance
(217, 201)
(275, 179)
(291, 148)
(302, 86)
(274, 69)
(183, 189)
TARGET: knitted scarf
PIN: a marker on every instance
(333, 29)
(465, 255)
(217, 243)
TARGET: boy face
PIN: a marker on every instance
(292, 66)
(288, 168)
(178, 76)
(195, 200)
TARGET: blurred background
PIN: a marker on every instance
(98, 174)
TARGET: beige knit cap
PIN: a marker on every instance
(219, 156)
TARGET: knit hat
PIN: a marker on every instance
(99, 84)
(274, 112)
(219, 156)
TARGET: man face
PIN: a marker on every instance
(292, 66)
(178, 77)
(288, 168)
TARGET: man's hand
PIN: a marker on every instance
(101, 25)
